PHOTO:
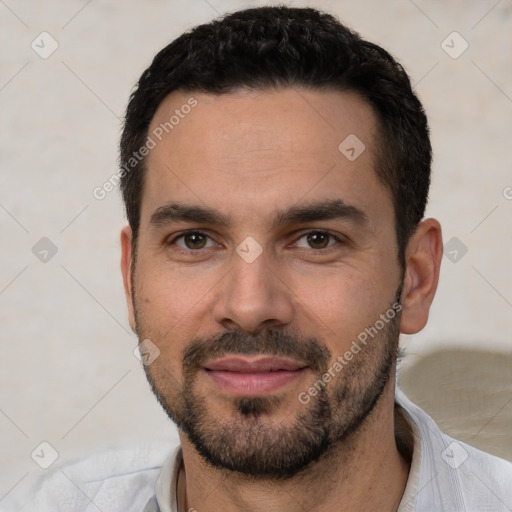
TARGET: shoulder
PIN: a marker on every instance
(480, 474)
(121, 479)
(454, 473)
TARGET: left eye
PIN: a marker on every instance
(316, 240)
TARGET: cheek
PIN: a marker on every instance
(167, 293)
(341, 303)
(171, 304)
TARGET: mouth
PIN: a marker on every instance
(253, 375)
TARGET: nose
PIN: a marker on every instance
(252, 296)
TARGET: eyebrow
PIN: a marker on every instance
(175, 212)
(334, 209)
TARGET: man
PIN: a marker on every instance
(275, 169)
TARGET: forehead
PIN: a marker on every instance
(314, 120)
(278, 145)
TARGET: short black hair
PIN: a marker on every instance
(281, 47)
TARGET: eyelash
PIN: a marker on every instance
(303, 235)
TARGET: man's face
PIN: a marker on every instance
(264, 252)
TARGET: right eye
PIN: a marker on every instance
(193, 241)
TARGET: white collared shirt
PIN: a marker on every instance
(445, 476)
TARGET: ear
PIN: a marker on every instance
(423, 261)
(126, 270)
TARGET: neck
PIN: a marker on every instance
(364, 472)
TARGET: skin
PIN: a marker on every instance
(250, 155)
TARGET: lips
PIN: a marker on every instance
(257, 364)
(253, 375)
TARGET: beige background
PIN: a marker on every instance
(67, 372)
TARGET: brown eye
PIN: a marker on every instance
(316, 240)
(195, 241)
(192, 241)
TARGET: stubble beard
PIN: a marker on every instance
(250, 441)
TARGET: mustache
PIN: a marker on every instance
(269, 342)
